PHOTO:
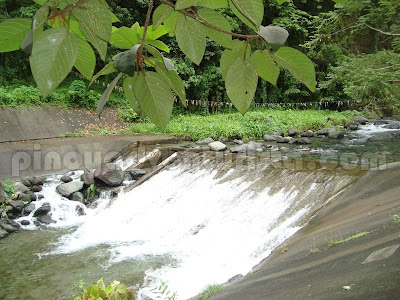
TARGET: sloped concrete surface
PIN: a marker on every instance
(337, 272)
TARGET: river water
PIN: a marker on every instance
(202, 220)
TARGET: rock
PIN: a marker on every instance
(223, 139)
(335, 134)
(324, 131)
(34, 197)
(238, 142)
(28, 209)
(281, 139)
(269, 138)
(17, 205)
(26, 197)
(307, 133)
(40, 197)
(78, 196)
(25, 181)
(36, 180)
(381, 122)
(21, 188)
(255, 147)
(3, 195)
(127, 176)
(88, 178)
(43, 210)
(361, 120)
(278, 133)
(25, 222)
(381, 137)
(217, 146)
(3, 234)
(393, 126)
(292, 132)
(45, 219)
(351, 126)
(66, 179)
(8, 227)
(66, 189)
(205, 141)
(137, 173)
(110, 174)
(80, 211)
(303, 141)
(239, 149)
(36, 188)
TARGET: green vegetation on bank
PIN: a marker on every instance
(209, 291)
(253, 124)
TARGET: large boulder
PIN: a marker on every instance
(110, 174)
(269, 138)
(66, 179)
(21, 188)
(292, 132)
(8, 226)
(3, 234)
(255, 147)
(361, 120)
(282, 140)
(308, 133)
(324, 131)
(28, 209)
(43, 210)
(335, 134)
(88, 178)
(303, 141)
(205, 141)
(239, 149)
(137, 173)
(66, 189)
(78, 196)
(36, 188)
(36, 180)
(17, 205)
(278, 133)
(217, 146)
(381, 137)
(45, 219)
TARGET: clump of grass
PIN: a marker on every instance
(313, 251)
(253, 124)
(396, 219)
(284, 250)
(350, 238)
(209, 291)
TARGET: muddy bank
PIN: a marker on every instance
(306, 267)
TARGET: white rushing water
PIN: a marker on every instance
(214, 219)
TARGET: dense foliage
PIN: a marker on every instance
(355, 48)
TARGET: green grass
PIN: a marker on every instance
(313, 251)
(209, 291)
(396, 219)
(253, 124)
(350, 238)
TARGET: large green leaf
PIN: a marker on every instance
(106, 94)
(40, 17)
(13, 32)
(155, 97)
(182, 4)
(160, 14)
(241, 83)
(217, 19)
(191, 38)
(108, 69)
(298, 64)
(214, 4)
(174, 81)
(130, 96)
(96, 23)
(266, 67)
(153, 34)
(86, 59)
(229, 56)
(250, 12)
(158, 44)
(170, 22)
(53, 55)
(124, 38)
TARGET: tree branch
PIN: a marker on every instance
(196, 17)
(146, 26)
(383, 32)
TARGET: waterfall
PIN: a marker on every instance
(207, 217)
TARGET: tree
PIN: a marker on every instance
(63, 33)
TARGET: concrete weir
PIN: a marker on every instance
(365, 267)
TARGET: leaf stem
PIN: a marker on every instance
(139, 55)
